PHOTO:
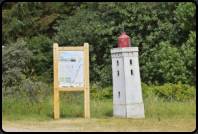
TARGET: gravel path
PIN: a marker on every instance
(101, 125)
(32, 129)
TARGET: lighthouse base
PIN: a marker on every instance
(134, 110)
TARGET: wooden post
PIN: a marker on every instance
(86, 78)
(56, 92)
(86, 91)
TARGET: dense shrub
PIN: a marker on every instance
(97, 92)
(33, 91)
(172, 64)
(106, 93)
(42, 62)
(16, 76)
(170, 91)
(14, 58)
(27, 90)
(146, 90)
(94, 90)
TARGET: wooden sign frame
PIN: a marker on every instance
(84, 48)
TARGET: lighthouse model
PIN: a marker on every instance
(127, 92)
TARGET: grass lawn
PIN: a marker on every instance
(160, 116)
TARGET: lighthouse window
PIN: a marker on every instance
(118, 73)
(131, 72)
(118, 94)
(117, 63)
(131, 62)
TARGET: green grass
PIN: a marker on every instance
(18, 110)
(158, 108)
(155, 108)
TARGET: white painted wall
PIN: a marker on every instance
(129, 103)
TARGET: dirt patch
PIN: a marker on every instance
(101, 125)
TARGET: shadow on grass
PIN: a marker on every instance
(51, 115)
(69, 116)
(66, 116)
(109, 113)
(74, 115)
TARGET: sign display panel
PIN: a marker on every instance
(71, 68)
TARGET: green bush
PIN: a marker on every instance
(42, 62)
(99, 93)
(14, 58)
(33, 91)
(94, 91)
(106, 93)
(169, 91)
(173, 64)
(27, 91)
(146, 90)
(16, 75)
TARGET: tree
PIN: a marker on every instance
(185, 14)
(33, 22)
(151, 26)
(174, 59)
(23, 19)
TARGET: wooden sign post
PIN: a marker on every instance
(71, 73)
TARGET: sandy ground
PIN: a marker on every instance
(101, 125)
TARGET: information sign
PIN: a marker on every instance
(71, 73)
(71, 68)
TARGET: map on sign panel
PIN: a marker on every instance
(71, 68)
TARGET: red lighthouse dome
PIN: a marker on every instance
(124, 40)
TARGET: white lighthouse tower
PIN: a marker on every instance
(127, 92)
